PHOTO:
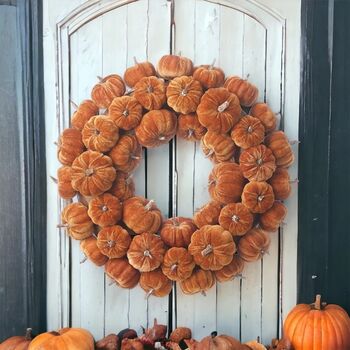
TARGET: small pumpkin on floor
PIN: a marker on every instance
(180, 333)
(109, 342)
(220, 342)
(17, 342)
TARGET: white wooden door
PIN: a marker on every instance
(84, 39)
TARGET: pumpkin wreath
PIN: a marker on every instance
(127, 234)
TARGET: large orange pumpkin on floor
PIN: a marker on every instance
(209, 76)
(219, 110)
(113, 241)
(92, 252)
(212, 247)
(70, 146)
(253, 245)
(142, 215)
(92, 173)
(150, 93)
(199, 282)
(226, 183)
(17, 342)
(258, 197)
(172, 66)
(278, 142)
(318, 326)
(246, 92)
(208, 214)
(218, 147)
(138, 71)
(84, 112)
(64, 339)
(189, 127)
(122, 273)
(155, 283)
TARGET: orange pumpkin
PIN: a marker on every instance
(258, 197)
(122, 273)
(92, 173)
(246, 92)
(150, 93)
(17, 342)
(92, 252)
(142, 215)
(157, 127)
(264, 113)
(177, 232)
(84, 112)
(220, 342)
(199, 282)
(257, 163)
(172, 66)
(218, 147)
(280, 182)
(184, 94)
(64, 182)
(70, 146)
(140, 70)
(146, 252)
(131, 344)
(189, 127)
(178, 264)
(208, 214)
(236, 218)
(126, 154)
(248, 132)
(155, 283)
(318, 326)
(219, 110)
(253, 245)
(209, 76)
(109, 342)
(272, 219)
(113, 241)
(77, 221)
(180, 333)
(226, 183)
(230, 271)
(278, 143)
(107, 89)
(123, 186)
(64, 339)
(126, 112)
(212, 247)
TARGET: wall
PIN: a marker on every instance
(259, 39)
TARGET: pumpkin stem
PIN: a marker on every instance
(128, 179)
(212, 65)
(235, 218)
(111, 282)
(135, 157)
(83, 260)
(173, 267)
(214, 334)
(210, 153)
(161, 138)
(74, 104)
(294, 142)
(135, 60)
(28, 335)
(54, 179)
(207, 250)
(149, 293)
(129, 92)
(223, 106)
(294, 181)
(62, 225)
(95, 235)
(150, 89)
(147, 253)
(203, 293)
(260, 198)
(250, 129)
(110, 243)
(99, 78)
(56, 143)
(317, 304)
(148, 206)
(125, 113)
(89, 172)
(56, 334)
(190, 132)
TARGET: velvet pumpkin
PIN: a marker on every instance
(177, 232)
(318, 326)
(100, 134)
(199, 282)
(236, 218)
(70, 146)
(113, 241)
(264, 113)
(77, 221)
(92, 252)
(219, 110)
(271, 220)
(230, 271)
(258, 197)
(212, 247)
(209, 76)
(138, 71)
(189, 127)
(155, 283)
(208, 214)
(126, 154)
(253, 245)
(184, 94)
(248, 132)
(280, 182)
(17, 342)
(64, 339)
(226, 183)
(122, 273)
(178, 264)
(126, 112)
(107, 89)
(142, 215)
(123, 186)
(64, 182)
(246, 92)
(218, 147)
(257, 163)
(157, 127)
(278, 143)
(150, 93)
(92, 173)
(172, 66)
(82, 115)
(146, 252)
